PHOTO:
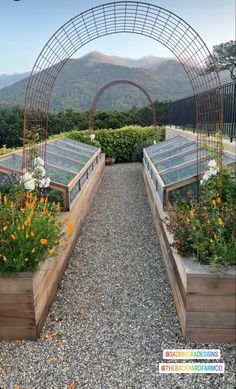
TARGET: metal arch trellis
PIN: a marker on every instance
(124, 17)
(109, 85)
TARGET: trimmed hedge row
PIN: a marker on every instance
(123, 143)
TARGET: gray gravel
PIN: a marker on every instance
(114, 312)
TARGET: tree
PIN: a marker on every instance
(223, 58)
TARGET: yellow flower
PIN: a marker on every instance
(214, 202)
(194, 228)
(33, 250)
(51, 251)
(13, 237)
(208, 221)
(218, 200)
(5, 199)
(22, 210)
(27, 236)
(43, 241)
(4, 258)
(18, 228)
(187, 219)
(191, 212)
(4, 228)
(23, 227)
(220, 221)
(32, 234)
(11, 205)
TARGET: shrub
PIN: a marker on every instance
(121, 143)
(207, 231)
(30, 230)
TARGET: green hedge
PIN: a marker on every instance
(122, 143)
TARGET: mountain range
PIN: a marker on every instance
(80, 79)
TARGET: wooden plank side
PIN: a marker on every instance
(221, 320)
(206, 303)
(212, 286)
(17, 301)
(15, 285)
(9, 332)
(16, 317)
(207, 335)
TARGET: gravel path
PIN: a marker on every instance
(114, 312)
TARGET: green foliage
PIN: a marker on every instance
(12, 121)
(207, 231)
(224, 58)
(122, 142)
(29, 232)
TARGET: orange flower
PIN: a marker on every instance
(27, 236)
(13, 237)
(208, 221)
(72, 385)
(33, 250)
(187, 219)
(5, 199)
(43, 241)
(22, 210)
(214, 202)
(56, 223)
(11, 205)
(4, 228)
(29, 205)
(16, 386)
(220, 221)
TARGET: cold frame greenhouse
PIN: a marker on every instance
(68, 163)
(172, 165)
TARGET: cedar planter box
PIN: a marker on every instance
(205, 300)
(25, 299)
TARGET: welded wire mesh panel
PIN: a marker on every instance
(123, 17)
(109, 85)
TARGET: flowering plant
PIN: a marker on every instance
(30, 232)
(207, 231)
(35, 179)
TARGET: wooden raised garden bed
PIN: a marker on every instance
(25, 299)
(205, 300)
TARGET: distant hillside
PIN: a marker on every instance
(80, 80)
(9, 79)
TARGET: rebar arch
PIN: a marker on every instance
(121, 17)
(109, 85)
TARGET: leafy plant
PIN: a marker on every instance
(207, 231)
(30, 232)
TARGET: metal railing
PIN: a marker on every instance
(182, 112)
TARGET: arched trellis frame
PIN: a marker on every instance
(109, 85)
(133, 17)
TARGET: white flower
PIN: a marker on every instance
(44, 182)
(154, 142)
(212, 163)
(40, 170)
(38, 162)
(92, 136)
(26, 176)
(213, 172)
(29, 181)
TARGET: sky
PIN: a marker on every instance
(26, 25)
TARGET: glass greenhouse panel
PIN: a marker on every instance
(153, 148)
(58, 175)
(67, 153)
(14, 162)
(76, 149)
(64, 163)
(177, 141)
(192, 156)
(172, 153)
(183, 172)
(91, 148)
